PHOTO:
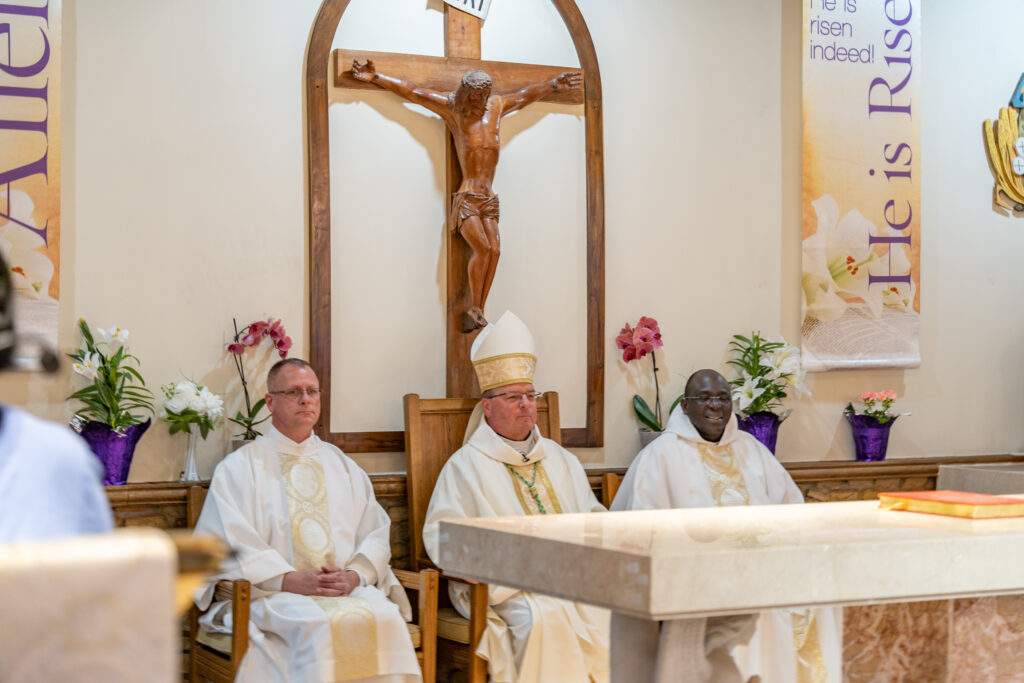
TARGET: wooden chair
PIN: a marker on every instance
(434, 430)
(217, 656)
(610, 483)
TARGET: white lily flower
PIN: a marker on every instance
(782, 362)
(799, 381)
(115, 336)
(837, 260)
(899, 296)
(747, 392)
(31, 269)
(89, 367)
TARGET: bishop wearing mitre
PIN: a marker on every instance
(505, 467)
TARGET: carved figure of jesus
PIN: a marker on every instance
(473, 114)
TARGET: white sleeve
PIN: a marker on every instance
(229, 513)
(373, 534)
(781, 487)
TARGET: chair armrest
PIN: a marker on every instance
(239, 593)
(427, 584)
(478, 606)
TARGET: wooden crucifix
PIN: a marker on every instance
(473, 113)
(466, 293)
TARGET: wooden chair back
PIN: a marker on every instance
(434, 430)
(610, 482)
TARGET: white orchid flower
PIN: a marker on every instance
(115, 336)
(747, 392)
(31, 270)
(89, 367)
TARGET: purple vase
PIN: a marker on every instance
(114, 450)
(763, 426)
(870, 438)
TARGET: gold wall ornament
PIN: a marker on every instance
(1004, 144)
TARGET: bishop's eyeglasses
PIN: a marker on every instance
(514, 397)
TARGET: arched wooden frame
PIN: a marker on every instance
(318, 82)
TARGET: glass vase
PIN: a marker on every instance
(191, 471)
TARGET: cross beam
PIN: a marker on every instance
(445, 73)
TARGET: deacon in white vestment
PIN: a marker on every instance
(310, 536)
(704, 460)
(507, 468)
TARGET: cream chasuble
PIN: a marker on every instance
(680, 469)
(284, 506)
(529, 638)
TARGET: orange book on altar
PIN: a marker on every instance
(954, 504)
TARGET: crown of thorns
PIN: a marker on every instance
(477, 80)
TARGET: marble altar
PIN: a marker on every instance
(656, 565)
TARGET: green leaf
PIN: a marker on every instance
(257, 407)
(679, 399)
(135, 374)
(644, 414)
(86, 334)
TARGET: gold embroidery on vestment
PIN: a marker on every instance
(542, 485)
(354, 637)
(810, 662)
(352, 622)
(723, 472)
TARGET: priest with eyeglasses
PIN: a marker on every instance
(704, 460)
(505, 467)
(309, 535)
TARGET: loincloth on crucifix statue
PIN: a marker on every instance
(468, 204)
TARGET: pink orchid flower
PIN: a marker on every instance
(639, 341)
(283, 346)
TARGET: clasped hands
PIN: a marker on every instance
(328, 582)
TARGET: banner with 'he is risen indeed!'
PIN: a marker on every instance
(861, 183)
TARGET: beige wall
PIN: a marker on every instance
(185, 206)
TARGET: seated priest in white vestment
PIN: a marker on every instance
(50, 483)
(310, 536)
(506, 467)
(704, 460)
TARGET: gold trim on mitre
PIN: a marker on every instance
(502, 370)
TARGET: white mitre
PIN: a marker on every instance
(502, 354)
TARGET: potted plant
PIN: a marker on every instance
(190, 407)
(636, 343)
(249, 337)
(114, 402)
(871, 425)
(767, 370)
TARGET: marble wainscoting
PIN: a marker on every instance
(972, 640)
